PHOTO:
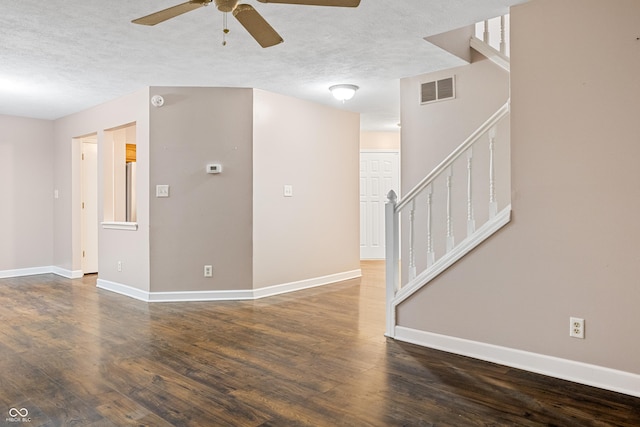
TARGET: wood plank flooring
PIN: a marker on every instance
(74, 355)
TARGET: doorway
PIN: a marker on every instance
(379, 173)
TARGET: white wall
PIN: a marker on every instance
(131, 248)
(315, 149)
(572, 246)
(380, 140)
(26, 209)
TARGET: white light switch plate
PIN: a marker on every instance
(162, 191)
(288, 191)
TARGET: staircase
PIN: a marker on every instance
(462, 193)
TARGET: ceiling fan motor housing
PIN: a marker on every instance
(226, 5)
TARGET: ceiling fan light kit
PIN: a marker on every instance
(246, 14)
(343, 92)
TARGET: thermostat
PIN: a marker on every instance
(214, 168)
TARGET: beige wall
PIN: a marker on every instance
(207, 219)
(131, 248)
(380, 140)
(431, 131)
(315, 149)
(26, 210)
(572, 246)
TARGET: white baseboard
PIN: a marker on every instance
(190, 296)
(126, 290)
(305, 284)
(578, 372)
(69, 274)
(226, 295)
(21, 272)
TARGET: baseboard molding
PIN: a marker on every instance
(578, 372)
(226, 295)
(21, 272)
(32, 271)
(69, 274)
(121, 289)
(305, 284)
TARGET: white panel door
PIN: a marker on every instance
(89, 208)
(379, 173)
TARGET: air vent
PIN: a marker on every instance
(437, 90)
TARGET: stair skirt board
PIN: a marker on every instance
(32, 271)
(226, 295)
(459, 251)
(582, 373)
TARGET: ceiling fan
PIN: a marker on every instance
(250, 19)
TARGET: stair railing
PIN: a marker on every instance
(430, 213)
(495, 33)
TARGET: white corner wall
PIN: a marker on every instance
(26, 212)
(572, 246)
(312, 237)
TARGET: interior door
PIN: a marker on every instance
(379, 173)
(89, 207)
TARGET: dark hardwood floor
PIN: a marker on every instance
(74, 355)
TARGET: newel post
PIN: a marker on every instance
(392, 253)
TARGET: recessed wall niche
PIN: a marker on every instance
(120, 174)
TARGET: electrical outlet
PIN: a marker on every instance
(119, 265)
(208, 271)
(576, 327)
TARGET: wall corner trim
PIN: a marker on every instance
(570, 370)
(225, 295)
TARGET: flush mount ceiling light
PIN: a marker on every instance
(343, 92)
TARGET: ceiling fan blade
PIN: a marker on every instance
(256, 25)
(172, 12)
(336, 3)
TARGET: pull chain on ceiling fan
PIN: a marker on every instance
(246, 14)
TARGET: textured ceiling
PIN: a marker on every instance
(58, 57)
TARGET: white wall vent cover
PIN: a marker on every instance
(438, 90)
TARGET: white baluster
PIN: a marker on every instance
(503, 43)
(485, 34)
(392, 252)
(412, 241)
(471, 223)
(493, 204)
(450, 240)
(431, 256)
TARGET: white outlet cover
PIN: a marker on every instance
(576, 327)
(162, 191)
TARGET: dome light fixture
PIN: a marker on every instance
(343, 92)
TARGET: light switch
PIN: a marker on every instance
(162, 191)
(288, 191)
